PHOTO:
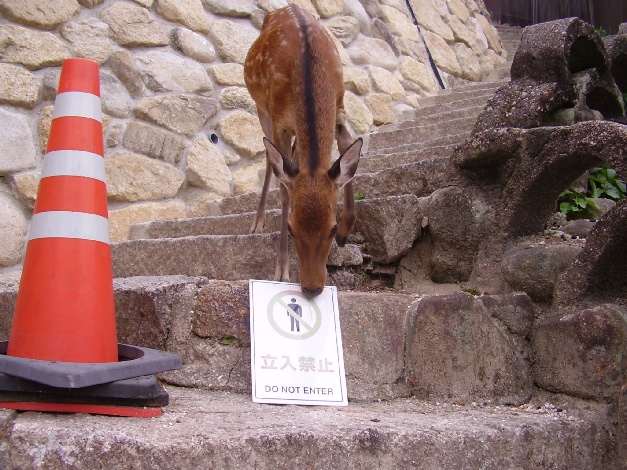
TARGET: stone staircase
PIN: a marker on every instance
(510, 38)
(437, 377)
(393, 166)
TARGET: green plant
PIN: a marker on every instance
(359, 196)
(229, 341)
(603, 182)
(574, 204)
(473, 291)
(601, 32)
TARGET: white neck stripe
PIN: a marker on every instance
(65, 224)
(74, 163)
(77, 103)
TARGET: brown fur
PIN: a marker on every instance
(294, 74)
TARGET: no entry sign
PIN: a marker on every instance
(296, 346)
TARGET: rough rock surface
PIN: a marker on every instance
(178, 66)
(535, 160)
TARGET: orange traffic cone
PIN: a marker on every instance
(63, 334)
(64, 309)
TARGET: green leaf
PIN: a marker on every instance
(595, 191)
(565, 207)
(613, 193)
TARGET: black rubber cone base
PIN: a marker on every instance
(137, 396)
(133, 362)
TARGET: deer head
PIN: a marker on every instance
(313, 210)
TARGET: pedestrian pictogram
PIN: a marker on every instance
(296, 346)
(293, 316)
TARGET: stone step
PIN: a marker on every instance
(227, 257)
(434, 120)
(459, 96)
(206, 322)
(386, 228)
(470, 87)
(218, 430)
(506, 28)
(508, 37)
(232, 224)
(384, 158)
(420, 178)
(239, 224)
(511, 45)
(437, 399)
(443, 105)
(439, 116)
(501, 71)
(452, 139)
(421, 133)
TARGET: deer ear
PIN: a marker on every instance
(282, 167)
(344, 168)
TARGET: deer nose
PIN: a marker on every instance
(311, 293)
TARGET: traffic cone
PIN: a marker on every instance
(64, 332)
(65, 309)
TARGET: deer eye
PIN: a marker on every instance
(333, 231)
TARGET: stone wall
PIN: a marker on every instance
(179, 125)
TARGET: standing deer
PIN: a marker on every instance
(294, 73)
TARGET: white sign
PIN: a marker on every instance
(296, 346)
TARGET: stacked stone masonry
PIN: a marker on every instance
(179, 125)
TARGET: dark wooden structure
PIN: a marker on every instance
(607, 14)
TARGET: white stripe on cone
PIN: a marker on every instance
(77, 103)
(74, 163)
(65, 224)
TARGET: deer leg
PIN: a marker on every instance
(347, 218)
(282, 271)
(260, 218)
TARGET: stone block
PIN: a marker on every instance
(232, 40)
(131, 25)
(18, 87)
(32, 49)
(183, 113)
(154, 142)
(582, 352)
(193, 45)
(373, 327)
(89, 38)
(447, 359)
(18, 149)
(534, 268)
(132, 177)
(389, 225)
(45, 14)
(164, 72)
(189, 13)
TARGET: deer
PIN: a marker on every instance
(294, 74)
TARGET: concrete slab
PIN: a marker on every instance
(212, 430)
